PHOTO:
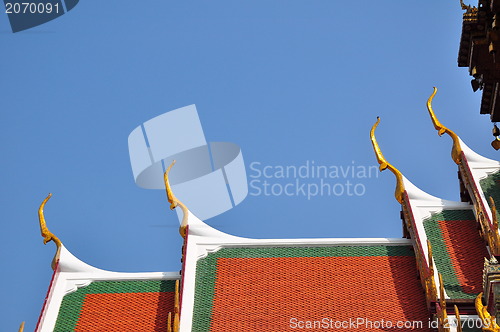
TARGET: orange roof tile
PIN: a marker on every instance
(123, 312)
(467, 251)
(118, 306)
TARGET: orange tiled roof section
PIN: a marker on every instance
(286, 293)
(466, 249)
(126, 312)
(118, 306)
(458, 251)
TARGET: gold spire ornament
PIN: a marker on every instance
(463, 5)
(174, 202)
(430, 283)
(442, 314)
(456, 151)
(457, 319)
(169, 322)
(491, 231)
(468, 8)
(173, 321)
(384, 164)
(46, 234)
(177, 309)
(488, 322)
(21, 327)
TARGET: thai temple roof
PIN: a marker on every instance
(231, 283)
(444, 268)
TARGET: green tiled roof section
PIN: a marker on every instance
(441, 256)
(72, 303)
(491, 187)
(206, 268)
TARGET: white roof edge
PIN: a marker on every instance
(421, 198)
(199, 228)
(69, 263)
(476, 159)
(303, 242)
(206, 234)
(480, 167)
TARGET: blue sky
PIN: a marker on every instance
(290, 82)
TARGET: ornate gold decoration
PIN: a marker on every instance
(457, 319)
(486, 231)
(384, 164)
(489, 231)
(470, 16)
(488, 322)
(470, 9)
(491, 276)
(46, 234)
(442, 314)
(456, 151)
(495, 220)
(442, 299)
(169, 322)
(176, 307)
(430, 283)
(174, 202)
(463, 5)
(174, 323)
(429, 256)
(21, 327)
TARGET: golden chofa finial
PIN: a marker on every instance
(457, 317)
(174, 202)
(456, 151)
(489, 322)
(400, 188)
(21, 327)
(468, 8)
(46, 234)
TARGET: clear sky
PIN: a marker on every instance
(291, 82)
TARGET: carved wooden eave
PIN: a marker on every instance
(479, 50)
